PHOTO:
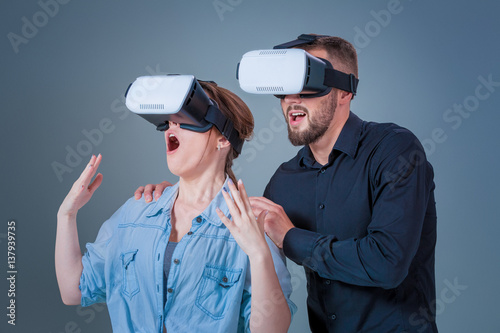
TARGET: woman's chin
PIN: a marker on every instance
(174, 167)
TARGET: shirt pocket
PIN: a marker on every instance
(130, 283)
(217, 290)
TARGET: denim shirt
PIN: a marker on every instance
(209, 283)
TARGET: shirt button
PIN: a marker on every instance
(170, 290)
(176, 261)
(333, 316)
(328, 281)
(321, 206)
(198, 219)
(190, 233)
(224, 279)
(323, 170)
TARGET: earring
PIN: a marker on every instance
(218, 146)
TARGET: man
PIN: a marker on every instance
(356, 208)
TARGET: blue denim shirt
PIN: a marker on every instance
(209, 283)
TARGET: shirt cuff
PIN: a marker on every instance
(298, 244)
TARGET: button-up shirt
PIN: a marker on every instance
(209, 283)
(365, 230)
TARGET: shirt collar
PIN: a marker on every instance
(166, 202)
(347, 142)
(210, 214)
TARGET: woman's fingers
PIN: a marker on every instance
(81, 192)
(244, 198)
(236, 196)
(85, 172)
(227, 222)
(230, 203)
(96, 183)
(89, 171)
(94, 166)
(224, 218)
(241, 198)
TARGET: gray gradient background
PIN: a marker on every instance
(74, 71)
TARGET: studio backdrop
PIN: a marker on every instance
(430, 66)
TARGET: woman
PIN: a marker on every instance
(180, 264)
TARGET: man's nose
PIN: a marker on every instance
(293, 99)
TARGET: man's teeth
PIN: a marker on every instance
(296, 114)
(171, 135)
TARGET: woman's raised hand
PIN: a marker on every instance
(81, 192)
(245, 228)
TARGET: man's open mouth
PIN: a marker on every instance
(295, 117)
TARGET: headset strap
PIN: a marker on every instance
(341, 80)
(225, 126)
(302, 39)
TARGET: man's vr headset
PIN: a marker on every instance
(180, 99)
(285, 71)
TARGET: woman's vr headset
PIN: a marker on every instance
(180, 99)
(283, 71)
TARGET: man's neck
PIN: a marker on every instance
(322, 148)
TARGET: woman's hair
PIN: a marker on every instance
(237, 111)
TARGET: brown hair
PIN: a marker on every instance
(237, 111)
(342, 54)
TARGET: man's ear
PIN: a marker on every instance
(343, 97)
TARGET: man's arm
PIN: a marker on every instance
(401, 192)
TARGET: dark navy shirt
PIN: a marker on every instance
(365, 230)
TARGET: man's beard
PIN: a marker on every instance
(318, 124)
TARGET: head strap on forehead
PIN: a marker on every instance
(302, 39)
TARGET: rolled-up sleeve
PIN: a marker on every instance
(93, 279)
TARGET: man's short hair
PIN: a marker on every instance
(342, 54)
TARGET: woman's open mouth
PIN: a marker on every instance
(172, 143)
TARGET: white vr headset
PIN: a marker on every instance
(284, 71)
(180, 99)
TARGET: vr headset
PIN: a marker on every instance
(286, 71)
(180, 99)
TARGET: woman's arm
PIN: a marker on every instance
(68, 257)
(269, 308)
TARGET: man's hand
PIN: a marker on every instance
(276, 223)
(148, 191)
